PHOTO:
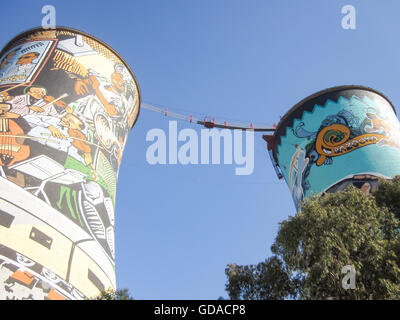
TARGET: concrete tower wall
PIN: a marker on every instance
(67, 104)
(338, 137)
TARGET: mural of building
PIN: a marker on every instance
(342, 136)
(67, 104)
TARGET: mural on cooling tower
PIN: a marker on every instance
(67, 104)
(352, 139)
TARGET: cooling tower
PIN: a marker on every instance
(67, 104)
(338, 137)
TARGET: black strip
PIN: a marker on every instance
(40, 237)
(70, 262)
(6, 219)
(96, 281)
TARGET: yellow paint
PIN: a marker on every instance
(55, 258)
(340, 143)
(98, 63)
(80, 265)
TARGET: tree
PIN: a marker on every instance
(265, 281)
(388, 195)
(111, 294)
(330, 232)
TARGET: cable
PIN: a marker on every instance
(208, 122)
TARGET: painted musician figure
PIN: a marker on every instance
(12, 148)
(68, 130)
(115, 105)
(121, 84)
(35, 100)
(117, 79)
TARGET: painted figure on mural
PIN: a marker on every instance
(122, 84)
(297, 182)
(108, 124)
(92, 85)
(24, 65)
(12, 147)
(117, 78)
(6, 62)
(36, 101)
(68, 134)
(389, 129)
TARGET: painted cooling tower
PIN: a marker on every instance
(341, 136)
(67, 104)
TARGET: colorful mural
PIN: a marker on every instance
(339, 137)
(67, 104)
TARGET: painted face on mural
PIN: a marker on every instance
(119, 68)
(4, 107)
(27, 58)
(4, 96)
(71, 121)
(37, 92)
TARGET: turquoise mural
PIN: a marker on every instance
(352, 139)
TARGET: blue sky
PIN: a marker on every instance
(177, 227)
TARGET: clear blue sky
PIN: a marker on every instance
(177, 227)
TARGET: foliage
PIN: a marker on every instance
(111, 294)
(330, 232)
(388, 195)
(264, 281)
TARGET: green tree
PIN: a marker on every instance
(388, 195)
(328, 233)
(111, 294)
